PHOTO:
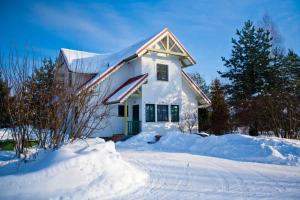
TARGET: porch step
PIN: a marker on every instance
(120, 137)
(124, 138)
(117, 137)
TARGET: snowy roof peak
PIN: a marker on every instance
(89, 62)
(104, 64)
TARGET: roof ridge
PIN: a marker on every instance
(74, 50)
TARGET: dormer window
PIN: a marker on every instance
(162, 72)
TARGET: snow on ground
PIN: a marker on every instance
(89, 169)
(231, 146)
(176, 176)
(178, 166)
(5, 134)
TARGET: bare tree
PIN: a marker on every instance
(188, 122)
(16, 71)
(79, 112)
(50, 111)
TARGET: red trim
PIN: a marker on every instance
(197, 87)
(139, 51)
(182, 47)
(142, 77)
(152, 40)
(103, 76)
(163, 32)
(140, 81)
(108, 72)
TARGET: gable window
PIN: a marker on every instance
(121, 111)
(150, 113)
(162, 113)
(162, 72)
(174, 113)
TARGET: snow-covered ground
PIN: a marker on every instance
(231, 146)
(178, 166)
(175, 175)
(5, 134)
(89, 169)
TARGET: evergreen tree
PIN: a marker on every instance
(247, 72)
(220, 112)
(203, 113)
(40, 90)
(197, 78)
(4, 98)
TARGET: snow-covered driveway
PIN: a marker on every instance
(186, 176)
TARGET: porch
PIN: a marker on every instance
(128, 98)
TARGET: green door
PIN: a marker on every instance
(135, 119)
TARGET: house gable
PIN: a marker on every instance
(152, 44)
(165, 42)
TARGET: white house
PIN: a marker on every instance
(146, 80)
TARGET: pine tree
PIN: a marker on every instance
(203, 113)
(40, 90)
(197, 78)
(246, 71)
(4, 98)
(220, 112)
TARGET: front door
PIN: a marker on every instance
(135, 119)
(135, 113)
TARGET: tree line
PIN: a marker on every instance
(261, 87)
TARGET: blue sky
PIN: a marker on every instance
(204, 27)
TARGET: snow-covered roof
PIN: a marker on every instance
(126, 89)
(105, 64)
(82, 61)
(95, 63)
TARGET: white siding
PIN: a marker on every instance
(175, 91)
(161, 92)
(116, 124)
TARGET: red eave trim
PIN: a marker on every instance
(139, 82)
(197, 87)
(141, 77)
(160, 34)
(109, 71)
(152, 40)
(194, 62)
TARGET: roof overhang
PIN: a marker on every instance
(126, 89)
(140, 52)
(197, 90)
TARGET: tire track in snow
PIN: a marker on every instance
(186, 176)
(159, 181)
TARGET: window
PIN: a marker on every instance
(121, 111)
(174, 113)
(70, 79)
(150, 113)
(162, 72)
(162, 113)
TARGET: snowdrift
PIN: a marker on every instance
(231, 146)
(89, 169)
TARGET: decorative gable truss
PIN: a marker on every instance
(167, 43)
(168, 46)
